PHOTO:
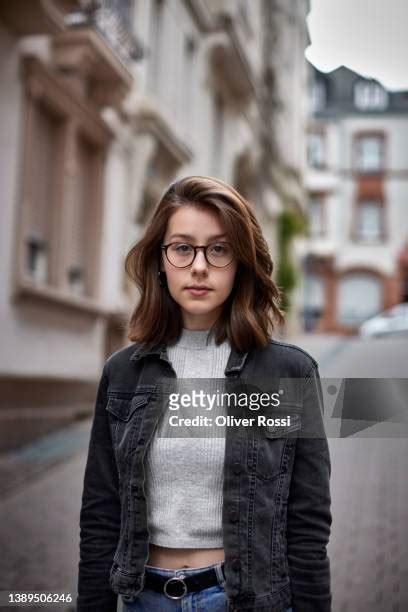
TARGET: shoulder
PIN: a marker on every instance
(289, 356)
(121, 357)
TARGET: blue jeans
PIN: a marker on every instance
(211, 599)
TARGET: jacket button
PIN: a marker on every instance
(235, 564)
(233, 516)
(236, 468)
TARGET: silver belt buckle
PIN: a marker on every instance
(179, 579)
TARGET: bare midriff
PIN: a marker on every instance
(176, 558)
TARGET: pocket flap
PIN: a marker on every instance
(124, 406)
(281, 431)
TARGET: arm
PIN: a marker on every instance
(100, 514)
(309, 517)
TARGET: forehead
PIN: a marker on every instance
(198, 222)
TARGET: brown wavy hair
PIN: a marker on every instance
(252, 309)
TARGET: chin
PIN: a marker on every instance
(198, 311)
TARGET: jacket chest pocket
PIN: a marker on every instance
(125, 412)
(122, 405)
(274, 443)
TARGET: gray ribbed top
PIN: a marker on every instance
(184, 476)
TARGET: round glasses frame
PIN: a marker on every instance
(204, 247)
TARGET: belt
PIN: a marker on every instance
(176, 587)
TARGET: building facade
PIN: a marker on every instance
(356, 254)
(104, 103)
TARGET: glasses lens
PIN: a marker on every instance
(180, 254)
(219, 254)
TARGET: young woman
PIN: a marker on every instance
(235, 519)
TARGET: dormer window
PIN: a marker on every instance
(370, 96)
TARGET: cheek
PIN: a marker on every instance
(174, 278)
(228, 283)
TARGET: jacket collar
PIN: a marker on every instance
(235, 363)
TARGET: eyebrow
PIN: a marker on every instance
(189, 237)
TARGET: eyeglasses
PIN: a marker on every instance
(182, 254)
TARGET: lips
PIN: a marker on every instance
(198, 290)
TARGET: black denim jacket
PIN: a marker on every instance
(276, 515)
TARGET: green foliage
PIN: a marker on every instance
(290, 224)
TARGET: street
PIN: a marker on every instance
(41, 487)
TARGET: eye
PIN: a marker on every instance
(219, 249)
(182, 248)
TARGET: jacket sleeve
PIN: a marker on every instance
(100, 514)
(309, 516)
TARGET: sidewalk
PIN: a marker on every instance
(21, 466)
(39, 538)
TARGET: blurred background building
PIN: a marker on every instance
(103, 104)
(355, 259)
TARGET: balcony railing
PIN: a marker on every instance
(113, 19)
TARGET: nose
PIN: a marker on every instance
(199, 264)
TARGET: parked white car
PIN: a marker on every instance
(394, 320)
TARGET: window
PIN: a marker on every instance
(369, 153)
(317, 96)
(243, 11)
(64, 152)
(79, 217)
(157, 44)
(316, 150)
(314, 300)
(359, 297)
(369, 220)
(186, 92)
(314, 292)
(47, 133)
(218, 133)
(370, 96)
(315, 216)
